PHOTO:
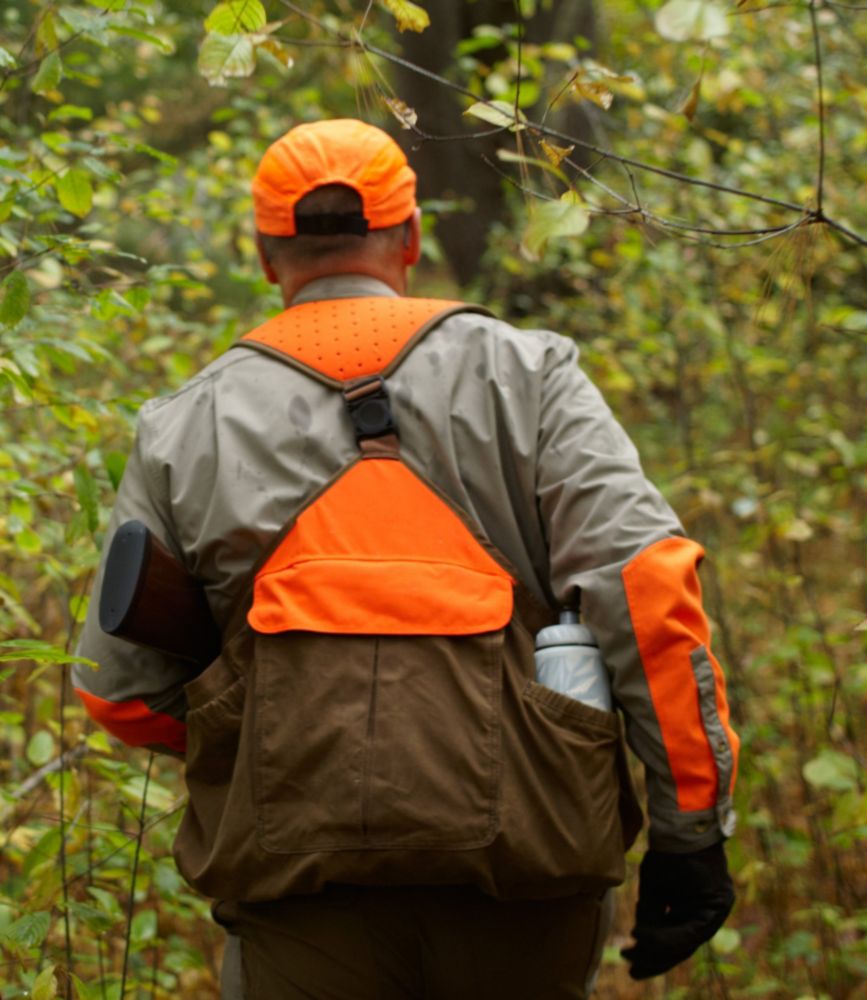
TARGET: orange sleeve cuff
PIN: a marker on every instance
(665, 605)
(134, 723)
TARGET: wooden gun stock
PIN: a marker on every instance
(149, 598)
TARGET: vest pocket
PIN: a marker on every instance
(372, 743)
(217, 700)
(569, 806)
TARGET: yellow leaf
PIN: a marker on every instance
(75, 192)
(409, 16)
(592, 90)
(556, 154)
(499, 113)
(690, 105)
(406, 115)
(593, 82)
(45, 985)
(276, 48)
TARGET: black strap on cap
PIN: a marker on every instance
(369, 408)
(331, 224)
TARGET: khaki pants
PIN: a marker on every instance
(417, 943)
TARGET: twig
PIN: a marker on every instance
(155, 821)
(365, 16)
(820, 93)
(134, 875)
(69, 757)
(67, 929)
(539, 128)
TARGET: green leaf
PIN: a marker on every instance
(45, 985)
(144, 927)
(85, 992)
(75, 191)
(138, 296)
(549, 220)
(46, 848)
(498, 113)
(409, 16)
(48, 75)
(7, 203)
(7, 60)
(67, 111)
(16, 299)
(85, 22)
(225, 56)
(88, 495)
(39, 652)
(40, 748)
(236, 16)
(163, 44)
(46, 32)
(92, 917)
(136, 789)
(108, 4)
(691, 20)
(832, 770)
(28, 931)
(98, 741)
(115, 463)
(28, 542)
(726, 940)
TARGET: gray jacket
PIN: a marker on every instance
(507, 425)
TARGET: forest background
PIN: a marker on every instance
(677, 186)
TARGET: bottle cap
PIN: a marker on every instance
(565, 635)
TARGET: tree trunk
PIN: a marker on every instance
(456, 169)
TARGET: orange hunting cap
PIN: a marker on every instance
(341, 151)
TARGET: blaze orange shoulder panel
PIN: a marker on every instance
(380, 553)
(664, 597)
(371, 332)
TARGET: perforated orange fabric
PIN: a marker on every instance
(380, 553)
(348, 338)
(664, 597)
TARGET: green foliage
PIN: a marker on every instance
(127, 262)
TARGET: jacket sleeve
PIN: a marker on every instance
(136, 693)
(612, 536)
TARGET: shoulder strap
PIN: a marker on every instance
(341, 340)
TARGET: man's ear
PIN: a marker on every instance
(270, 273)
(412, 239)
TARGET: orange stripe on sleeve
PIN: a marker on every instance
(664, 597)
(134, 723)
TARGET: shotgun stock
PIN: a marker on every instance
(149, 598)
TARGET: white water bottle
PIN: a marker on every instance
(568, 660)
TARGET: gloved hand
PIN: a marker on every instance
(683, 900)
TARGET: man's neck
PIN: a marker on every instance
(341, 286)
(291, 282)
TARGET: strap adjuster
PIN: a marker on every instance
(369, 408)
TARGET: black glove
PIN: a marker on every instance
(683, 900)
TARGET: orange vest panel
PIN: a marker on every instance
(380, 553)
(348, 338)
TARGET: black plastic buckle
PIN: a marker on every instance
(369, 408)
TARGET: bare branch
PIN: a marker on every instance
(805, 214)
(820, 93)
